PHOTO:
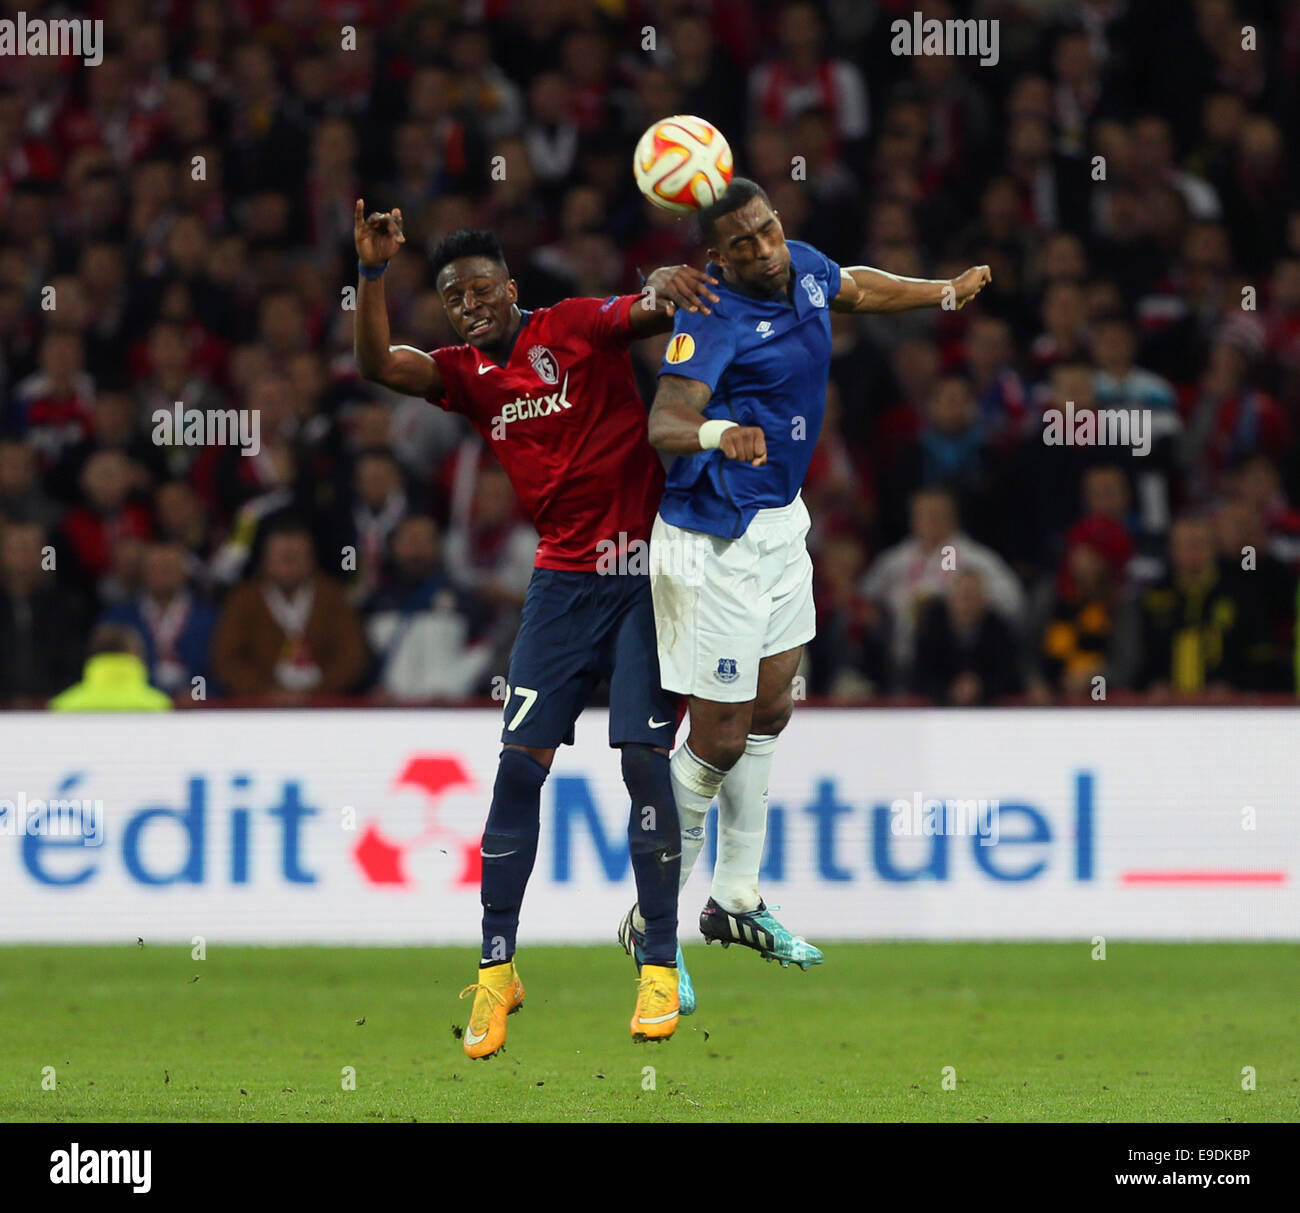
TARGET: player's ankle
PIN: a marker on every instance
(736, 900)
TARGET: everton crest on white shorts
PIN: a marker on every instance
(722, 605)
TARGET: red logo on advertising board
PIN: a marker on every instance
(433, 777)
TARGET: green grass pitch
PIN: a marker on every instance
(1033, 1032)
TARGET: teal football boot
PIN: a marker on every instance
(760, 930)
(633, 941)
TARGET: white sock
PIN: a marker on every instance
(742, 827)
(695, 784)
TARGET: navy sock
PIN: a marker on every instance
(509, 848)
(655, 841)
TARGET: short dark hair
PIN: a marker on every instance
(283, 522)
(467, 242)
(740, 191)
(115, 638)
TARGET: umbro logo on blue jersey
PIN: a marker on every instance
(764, 328)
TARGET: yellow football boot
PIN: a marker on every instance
(497, 993)
(655, 1017)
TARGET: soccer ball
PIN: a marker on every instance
(682, 164)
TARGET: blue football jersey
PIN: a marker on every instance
(767, 362)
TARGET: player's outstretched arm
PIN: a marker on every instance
(399, 367)
(676, 424)
(863, 289)
(667, 289)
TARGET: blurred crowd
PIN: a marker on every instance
(177, 226)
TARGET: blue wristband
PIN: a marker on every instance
(372, 272)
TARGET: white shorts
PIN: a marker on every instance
(721, 605)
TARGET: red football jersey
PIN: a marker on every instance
(567, 423)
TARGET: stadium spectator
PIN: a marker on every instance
(174, 621)
(1077, 90)
(1063, 335)
(551, 137)
(915, 369)
(1001, 398)
(1121, 383)
(1230, 420)
(1153, 165)
(1266, 582)
(52, 407)
(289, 632)
(489, 549)
(22, 497)
(42, 621)
(903, 578)
(1197, 632)
(114, 428)
(1106, 524)
(1258, 482)
(849, 656)
(479, 86)
(965, 652)
(115, 677)
(1060, 258)
(834, 490)
(430, 639)
(1282, 340)
(182, 519)
(1257, 193)
(379, 503)
(169, 378)
(804, 78)
(950, 453)
(108, 521)
(702, 71)
(1080, 630)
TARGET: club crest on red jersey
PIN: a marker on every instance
(544, 363)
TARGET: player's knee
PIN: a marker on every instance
(726, 746)
(516, 794)
(539, 755)
(642, 766)
(770, 718)
(718, 733)
(653, 819)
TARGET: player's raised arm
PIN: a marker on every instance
(676, 424)
(671, 287)
(863, 289)
(399, 367)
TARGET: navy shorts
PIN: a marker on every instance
(577, 629)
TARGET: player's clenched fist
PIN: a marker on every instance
(379, 236)
(744, 442)
(966, 286)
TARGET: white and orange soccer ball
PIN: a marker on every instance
(682, 164)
